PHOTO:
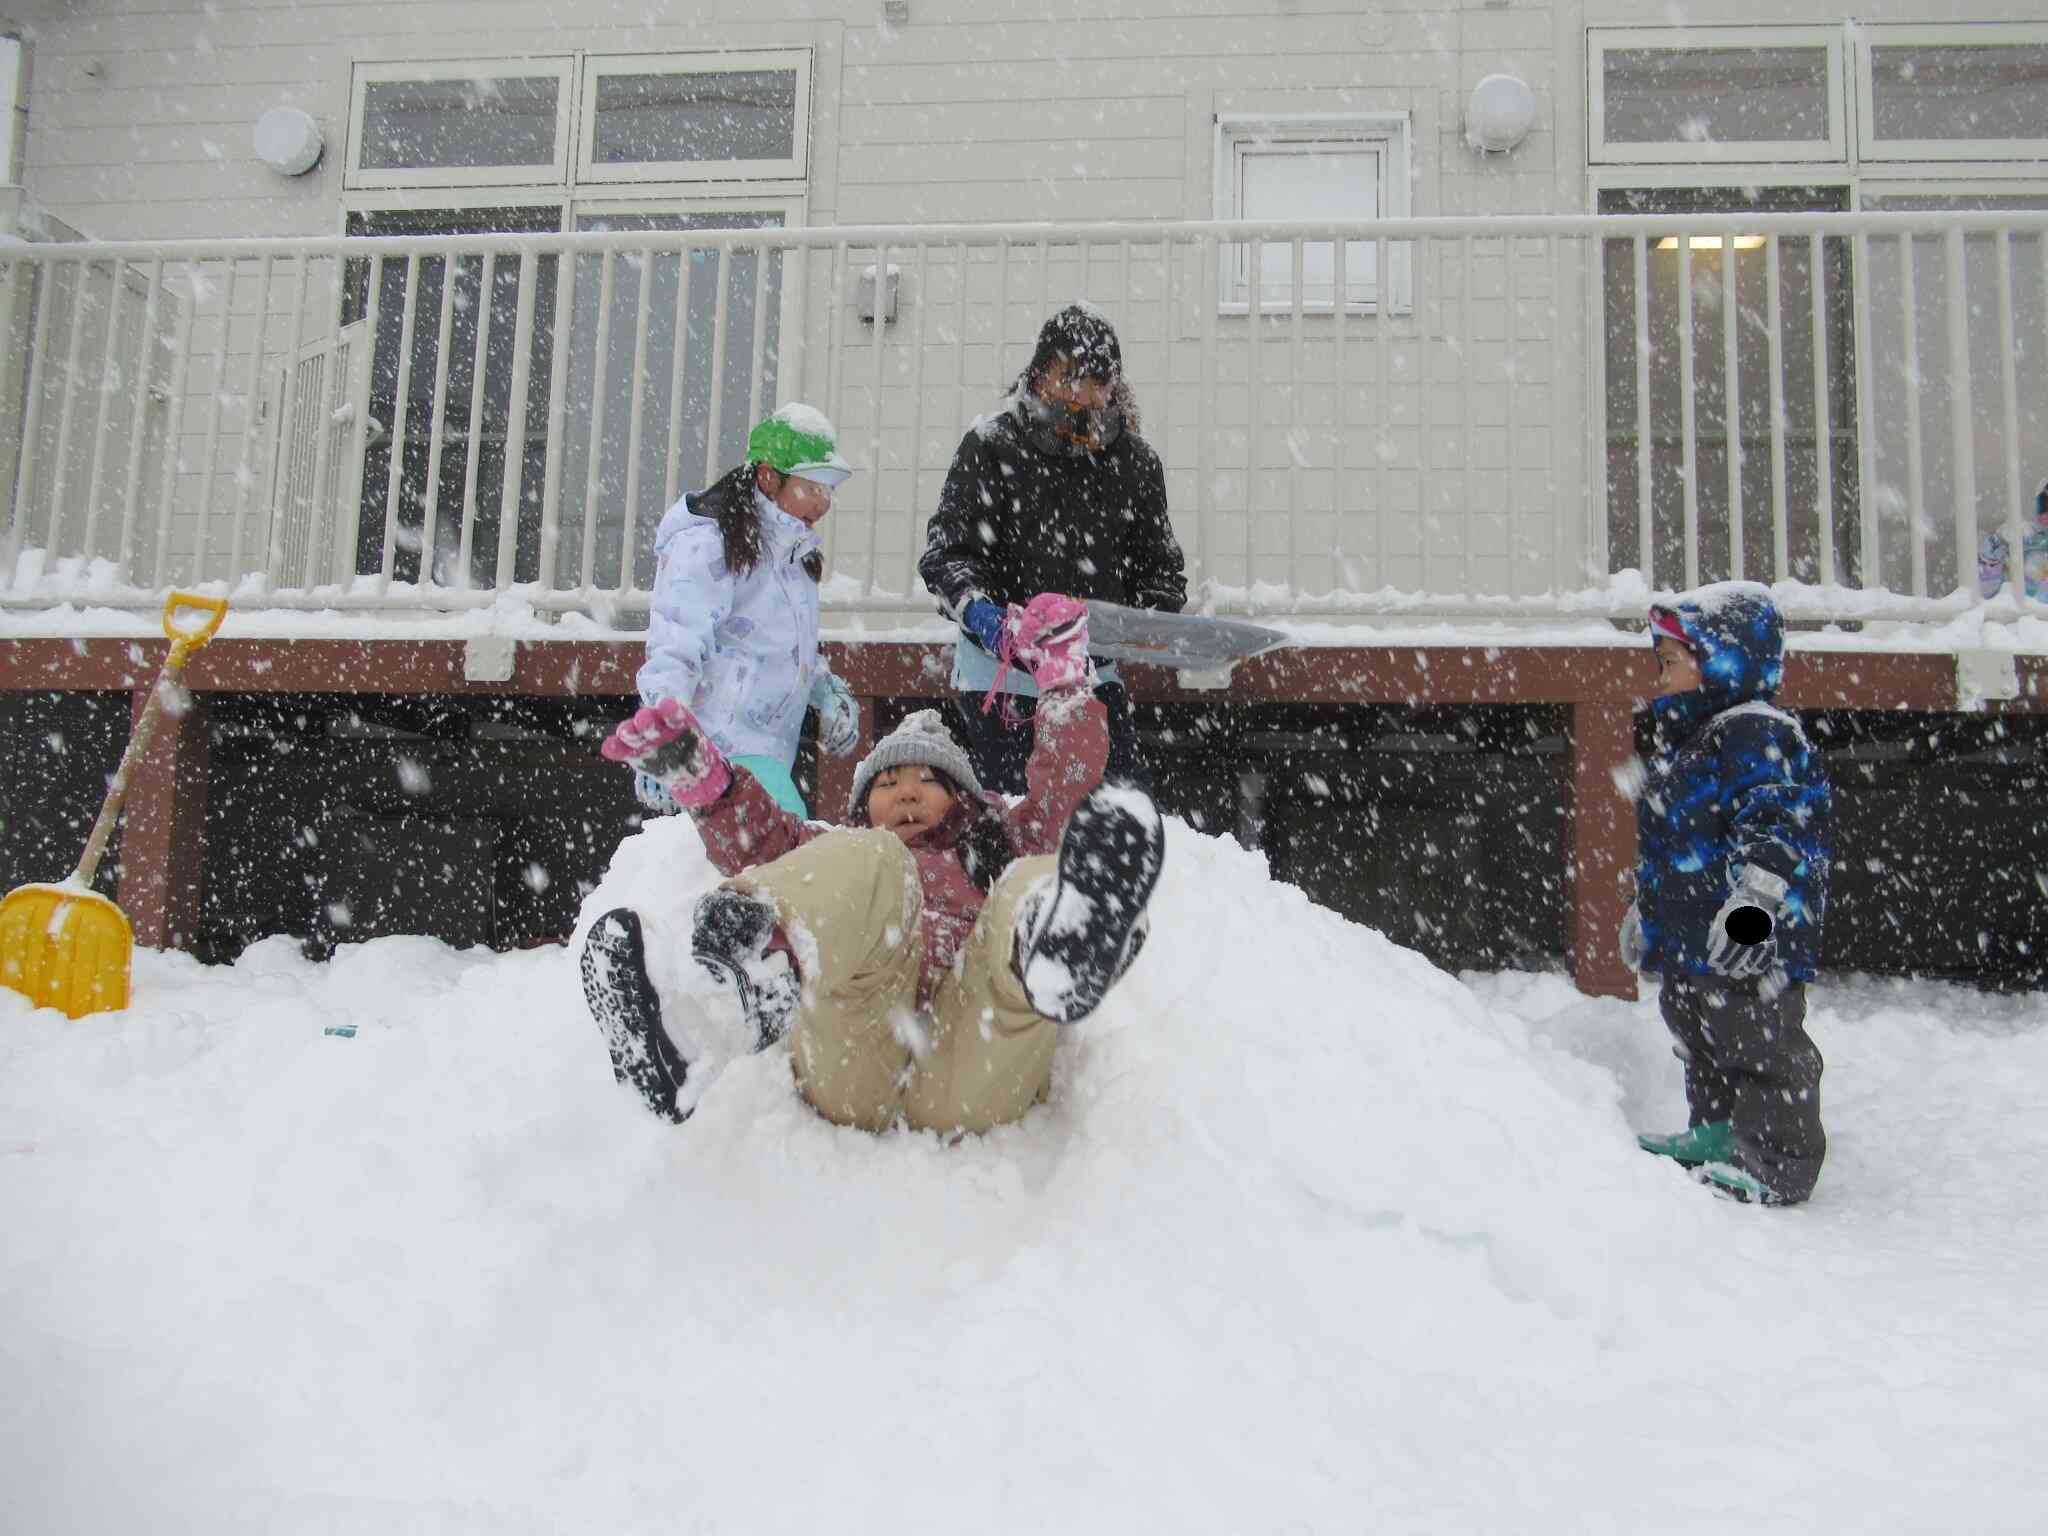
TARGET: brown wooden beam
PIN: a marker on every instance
(163, 827)
(1450, 674)
(1601, 848)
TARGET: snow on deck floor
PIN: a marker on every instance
(1312, 1237)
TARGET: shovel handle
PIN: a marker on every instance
(189, 621)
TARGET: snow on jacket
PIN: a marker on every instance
(745, 827)
(740, 650)
(1732, 781)
(1015, 520)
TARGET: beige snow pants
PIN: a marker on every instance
(863, 1054)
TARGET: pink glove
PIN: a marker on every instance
(1049, 635)
(665, 742)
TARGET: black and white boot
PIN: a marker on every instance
(1083, 933)
(628, 1010)
(731, 940)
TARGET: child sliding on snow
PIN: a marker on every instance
(920, 961)
(1731, 885)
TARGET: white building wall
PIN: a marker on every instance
(1001, 110)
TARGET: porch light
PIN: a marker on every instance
(1712, 242)
(288, 141)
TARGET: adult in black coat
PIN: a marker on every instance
(1053, 492)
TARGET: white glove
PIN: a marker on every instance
(838, 712)
(1744, 940)
(1633, 945)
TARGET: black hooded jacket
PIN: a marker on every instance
(1017, 517)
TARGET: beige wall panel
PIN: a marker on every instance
(991, 122)
(948, 158)
(993, 202)
(1134, 43)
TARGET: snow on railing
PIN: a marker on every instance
(1496, 417)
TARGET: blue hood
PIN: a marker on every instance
(1740, 639)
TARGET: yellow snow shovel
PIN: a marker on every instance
(66, 946)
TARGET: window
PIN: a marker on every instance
(658, 117)
(456, 125)
(1762, 94)
(1330, 168)
(675, 117)
(1953, 93)
(680, 399)
(1648, 470)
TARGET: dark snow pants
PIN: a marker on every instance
(999, 749)
(1748, 1060)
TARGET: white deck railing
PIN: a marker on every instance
(1501, 417)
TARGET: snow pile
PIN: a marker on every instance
(1310, 1237)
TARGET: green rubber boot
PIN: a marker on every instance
(1713, 1142)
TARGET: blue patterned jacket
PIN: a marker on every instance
(1732, 780)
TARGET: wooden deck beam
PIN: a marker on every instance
(163, 834)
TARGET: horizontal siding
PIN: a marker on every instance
(996, 202)
(954, 160)
(1131, 116)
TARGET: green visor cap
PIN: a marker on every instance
(798, 440)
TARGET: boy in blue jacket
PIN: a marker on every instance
(1733, 827)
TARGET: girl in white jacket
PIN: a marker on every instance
(733, 629)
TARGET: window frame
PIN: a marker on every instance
(365, 73)
(1872, 36)
(1392, 131)
(13, 107)
(588, 172)
(1600, 41)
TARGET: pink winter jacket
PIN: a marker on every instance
(745, 826)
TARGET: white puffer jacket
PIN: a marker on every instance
(742, 652)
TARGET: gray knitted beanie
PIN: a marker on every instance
(921, 739)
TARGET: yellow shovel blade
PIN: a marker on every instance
(65, 948)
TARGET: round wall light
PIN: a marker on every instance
(1500, 114)
(288, 141)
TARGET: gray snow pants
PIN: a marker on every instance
(1748, 1060)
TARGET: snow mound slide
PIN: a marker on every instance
(1309, 1237)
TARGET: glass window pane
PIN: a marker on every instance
(1924, 92)
(1715, 95)
(730, 115)
(449, 124)
(445, 482)
(1811, 431)
(684, 442)
(1312, 182)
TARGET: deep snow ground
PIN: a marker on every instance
(1312, 1237)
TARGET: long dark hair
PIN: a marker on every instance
(731, 504)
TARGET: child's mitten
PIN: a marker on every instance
(665, 741)
(1050, 636)
(1744, 941)
(1633, 946)
(838, 712)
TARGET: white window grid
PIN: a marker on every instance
(1988, 35)
(575, 117)
(1600, 41)
(796, 61)
(1239, 135)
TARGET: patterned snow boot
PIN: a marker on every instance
(627, 1009)
(1077, 938)
(734, 940)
